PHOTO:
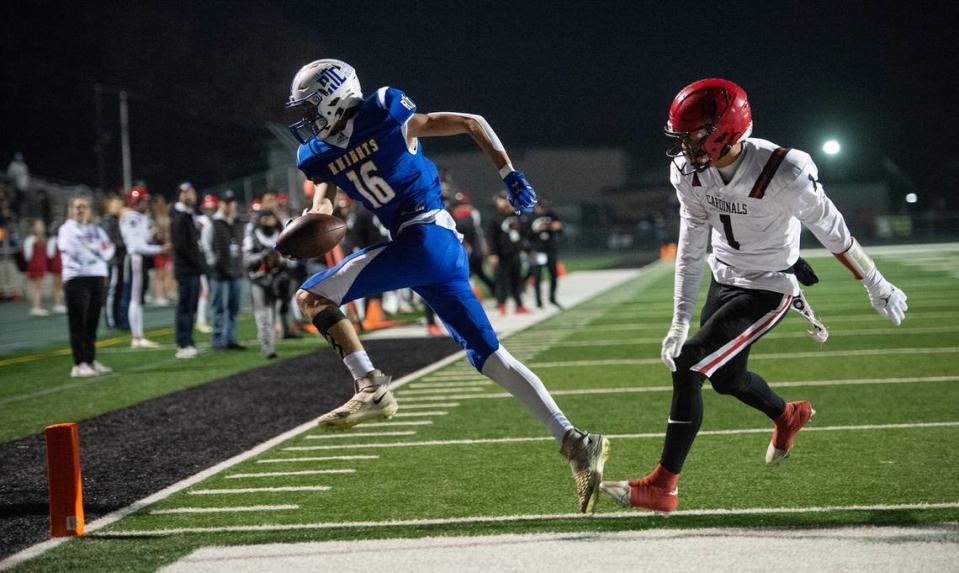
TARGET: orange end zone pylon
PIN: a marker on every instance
(66, 484)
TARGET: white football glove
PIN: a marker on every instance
(673, 344)
(888, 300)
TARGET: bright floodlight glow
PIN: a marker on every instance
(831, 147)
(911, 198)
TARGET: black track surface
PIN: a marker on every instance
(129, 454)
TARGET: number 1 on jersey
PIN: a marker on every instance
(373, 188)
(728, 230)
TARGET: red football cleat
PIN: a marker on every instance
(502, 310)
(522, 310)
(434, 329)
(788, 424)
(657, 491)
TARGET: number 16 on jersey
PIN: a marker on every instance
(373, 188)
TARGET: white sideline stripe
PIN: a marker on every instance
(316, 459)
(794, 384)
(418, 386)
(358, 435)
(533, 517)
(425, 406)
(757, 356)
(276, 489)
(237, 508)
(282, 474)
(423, 414)
(394, 424)
(641, 436)
(43, 547)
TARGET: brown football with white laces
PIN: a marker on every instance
(311, 236)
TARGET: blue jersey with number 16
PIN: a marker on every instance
(371, 161)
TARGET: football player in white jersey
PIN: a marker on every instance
(137, 231)
(752, 198)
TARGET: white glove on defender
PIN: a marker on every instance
(888, 301)
(673, 344)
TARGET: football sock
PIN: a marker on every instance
(359, 364)
(685, 418)
(520, 381)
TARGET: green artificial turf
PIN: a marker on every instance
(851, 455)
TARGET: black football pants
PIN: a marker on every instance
(732, 320)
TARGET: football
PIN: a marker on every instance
(311, 236)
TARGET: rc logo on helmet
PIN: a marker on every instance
(329, 79)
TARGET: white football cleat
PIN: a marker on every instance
(186, 352)
(100, 368)
(82, 370)
(372, 401)
(143, 343)
(587, 454)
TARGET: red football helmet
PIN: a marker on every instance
(708, 118)
(135, 195)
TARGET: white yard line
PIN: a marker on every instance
(757, 356)
(419, 386)
(278, 489)
(234, 509)
(533, 518)
(427, 414)
(640, 436)
(317, 459)
(395, 424)
(283, 474)
(889, 331)
(358, 435)
(434, 405)
(644, 389)
(412, 392)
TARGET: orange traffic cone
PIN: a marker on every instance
(560, 269)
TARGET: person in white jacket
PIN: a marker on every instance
(85, 250)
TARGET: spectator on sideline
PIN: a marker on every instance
(188, 265)
(138, 234)
(265, 269)
(86, 249)
(163, 283)
(116, 313)
(19, 173)
(226, 273)
(545, 230)
(506, 236)
(35, 253)
(204, 223)
(55, 269)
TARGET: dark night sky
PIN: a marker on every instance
(204, 76)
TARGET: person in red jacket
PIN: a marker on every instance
(35, 253)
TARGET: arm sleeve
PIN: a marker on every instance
(691, 250)
(805, 199)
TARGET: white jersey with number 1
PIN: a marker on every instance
(755, 221)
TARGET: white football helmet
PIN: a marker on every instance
(322, 91)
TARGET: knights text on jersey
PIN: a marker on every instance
(370, 160)
(756, 219)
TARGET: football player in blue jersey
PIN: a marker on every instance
(370, 148)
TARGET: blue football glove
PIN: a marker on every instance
(520, 194)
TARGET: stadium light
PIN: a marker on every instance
(831, 147)
(911, 198)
